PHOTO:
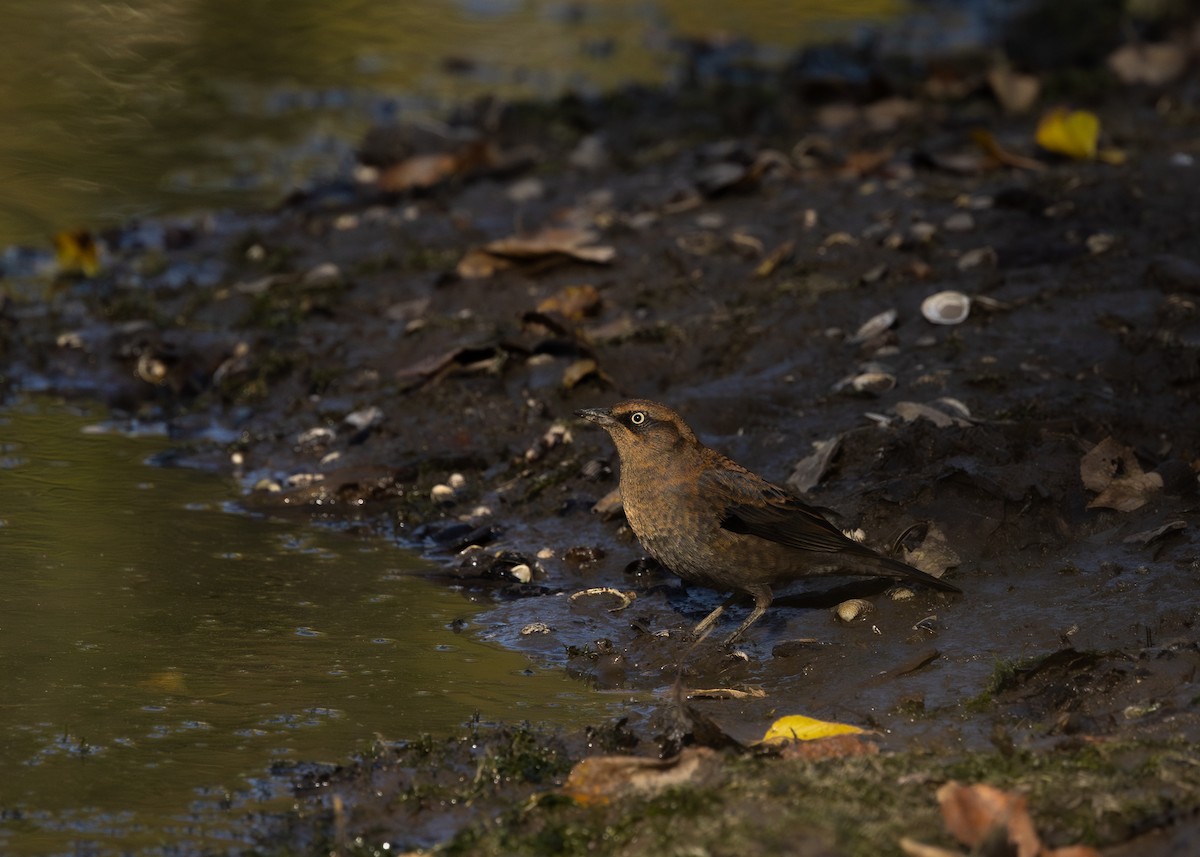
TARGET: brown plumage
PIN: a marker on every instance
(716, 524)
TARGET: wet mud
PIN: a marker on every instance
(340, 358)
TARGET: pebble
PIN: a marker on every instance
(535, 628)
(922, 233)
(522, 573)
(441, 493)
(959, 221)
(976, 258)
(456, 481)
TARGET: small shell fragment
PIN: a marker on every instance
(625, 598)
(855, 608)
(874, 326)
(441, 493)
(523, 573)
(946, 308)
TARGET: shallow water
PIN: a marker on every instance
(152, 107)
(158, 650)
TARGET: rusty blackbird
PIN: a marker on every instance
(716, 524)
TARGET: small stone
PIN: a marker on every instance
(545, 553)
(1101, 242)
(976, 258)
(456, 481)
(902, 593)
(322, 275)
(535, 628)
(522, 573)
(441, 494)
(874, 275)
(959, 221)
(922, 233)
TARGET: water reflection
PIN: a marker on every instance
(117, 110)
(153, 644)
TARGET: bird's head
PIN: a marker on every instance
(639, 427)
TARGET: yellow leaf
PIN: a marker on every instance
(77, 252)
(1073, 134)
(797, 727)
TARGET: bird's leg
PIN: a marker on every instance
(706, 624)
(762, 600)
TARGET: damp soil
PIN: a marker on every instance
(333, 355)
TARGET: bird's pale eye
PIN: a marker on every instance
(637, 418)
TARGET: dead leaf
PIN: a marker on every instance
(808, 472)
(77, 253)
(913, 848)
(419, 171)
(887, 114)
(1016, 92)
(834, 747)
(798, 727)
(580, 371)
(568, 241)
(478, 264)
(985, 141)
(1153, 64)
(565, 242)
(934, 555)
(1147, 537)
(1113, 471)
(776, 258)
(972, 813)
(863, 163)
(600, 779)
(1071, 133)
(573, 303)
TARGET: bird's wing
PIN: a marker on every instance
(758, 508)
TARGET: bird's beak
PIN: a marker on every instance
(599, 416)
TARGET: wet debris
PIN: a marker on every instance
(979, 257)
(728, 693)
(809, 471)
(600, 779)
(458, 535)
(551, 245)
(1149, 537)
(557, 435)
(797, 647)
(1112, 471)
(989, 821)
(853, 609)
(485, 359)
(874, 326)
(933, 555)
(610, 505)
(583, 554)
(505, 566)
(870, 383)
(535, 629)
(943, 412)
(624, 599)
(948, 307)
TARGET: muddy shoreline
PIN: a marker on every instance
(358, 356)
